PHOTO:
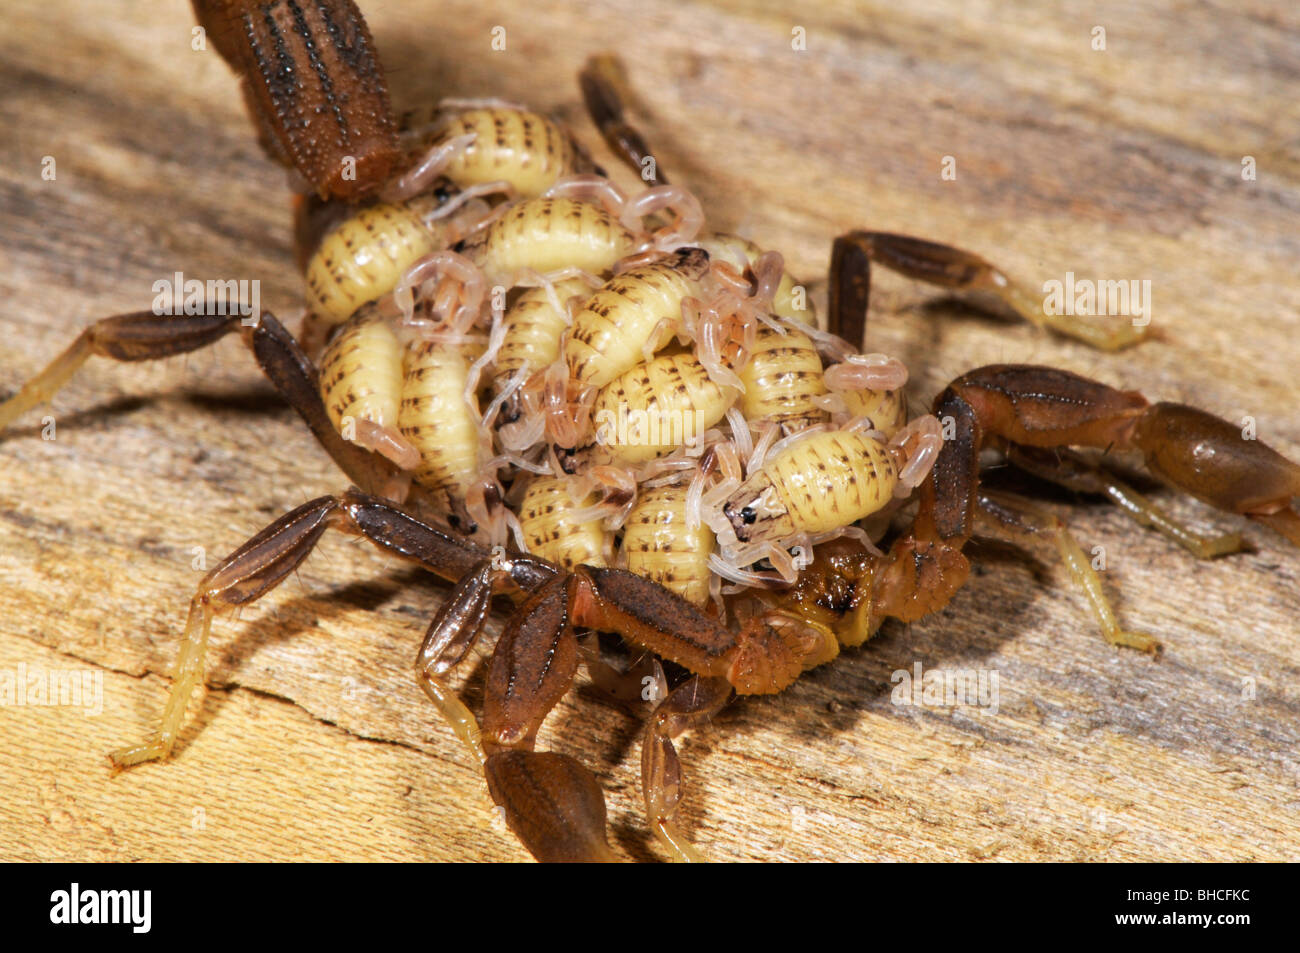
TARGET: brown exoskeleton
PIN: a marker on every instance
(1025, 407)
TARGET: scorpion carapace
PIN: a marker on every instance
(545, 388)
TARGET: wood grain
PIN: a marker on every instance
(313, 741)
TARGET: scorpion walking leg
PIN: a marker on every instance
(1072, 471)
(1017, 518)
(600, 80)
(139, 336)
(456, 628)
(962, 271)
(694, 701)
(263, 562)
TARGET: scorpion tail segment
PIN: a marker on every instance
(600, 80)
(139, 336)
(694, 701)
(552, 803)
(965, 272)
(314, 87)
(1221, 464)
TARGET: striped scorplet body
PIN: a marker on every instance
(315, 86)
(547, 518)
(633, 313)
(659, 545)
(522, 148)
(549, 235)
(534, 327)
(652, 410)
(363, 257)
(361, 373)
(821, 482)
(783, 379)
(436, 419)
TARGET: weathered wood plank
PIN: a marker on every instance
(314, 741)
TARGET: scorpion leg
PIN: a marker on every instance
(456, 628)
(960, 271)
(262, 563)
(1186, 448)
(694, 701)
(601, 79)
(145, 336)
(139, 336)
(1017, 518)
(1072, 471)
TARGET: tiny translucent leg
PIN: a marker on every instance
(694, 701)
(601, 79)
(262, 563)
(1016, 518)
(425, 171)
(1068, 469)
(955, 269)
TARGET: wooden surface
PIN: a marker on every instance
(314, 742)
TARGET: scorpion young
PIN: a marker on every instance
(1020, 407)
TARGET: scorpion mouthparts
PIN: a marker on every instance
(567, 458)
(741, 519)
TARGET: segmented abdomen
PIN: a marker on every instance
(633, 312)
(362, 258)
(658, 545)
(546, 516)
(546, 235)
